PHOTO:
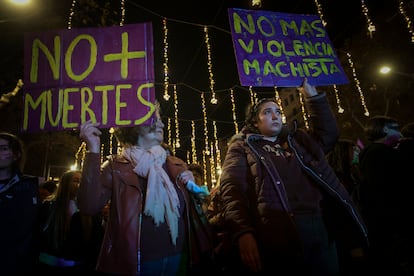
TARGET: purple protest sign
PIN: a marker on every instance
(280, 49)
(101, 74)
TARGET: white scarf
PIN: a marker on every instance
(161, 201)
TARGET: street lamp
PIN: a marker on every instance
(19, 2)
(387, 70)
(16, 6)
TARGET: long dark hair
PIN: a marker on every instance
(60, 218)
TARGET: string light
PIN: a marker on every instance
(253, 96)
(71, 13)
(233, 110)
(166, 77)
(279, 103)
(357, 83)
(210, 67)
(212, 166)
(121, 23)
(169, 131)
(177, 128)
(305, 116)
(320, 12)
(204, 167)
(216, 144)
(256, 3)
(371, 26)
(79, 157)
(111, 138)
(203, 107)
(193, 143)
(338, 101)
(407, 19)
(118, 148)
(102, 152)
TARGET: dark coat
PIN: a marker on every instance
(254, 201)
(19, 206)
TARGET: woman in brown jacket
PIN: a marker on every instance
(151, 221)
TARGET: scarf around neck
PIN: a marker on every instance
(161, 201)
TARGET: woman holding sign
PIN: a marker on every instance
(152, 219)
(282, 203)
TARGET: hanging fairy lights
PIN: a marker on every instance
(71, 13)
(206, 151)
(253, 96)
(205, 166)
(357, 83)
(213, 149)
(102, 152)
(111, 139)
(320, 12)
(256, 4)
(233, 111)
(408, 21)
(216, 145)
(79, 157)
(279, 103)
(169, 131)
(122, 22)
(212, 166)
(177, 128)
(165, 64)
(338, 100)
(203, 107)
(371, 26)
(304, 113)
(193, 142)
(210, 67)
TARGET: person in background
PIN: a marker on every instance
(197, 171)
(405, 144)
(46, 189)
(382, 193)
(153, 228)
(283, 205)
(344, 160)
(19, 205)
(202, 199)
(406, 242)
(65, 233)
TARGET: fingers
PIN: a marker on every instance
(307, 89)
(88, 128)
(185, 176)
(249, 252)
(90, 134)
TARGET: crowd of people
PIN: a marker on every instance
(289, 201)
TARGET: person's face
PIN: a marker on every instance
(198, 178)
(152, 136)
(7, 157)
(43, 193)
(76, 178)
(269, 119)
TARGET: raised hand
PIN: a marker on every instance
(90, 134)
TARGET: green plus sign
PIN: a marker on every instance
(124, 56)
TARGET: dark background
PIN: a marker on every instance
(187, 61)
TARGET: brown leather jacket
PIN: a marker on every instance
(116, 181)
